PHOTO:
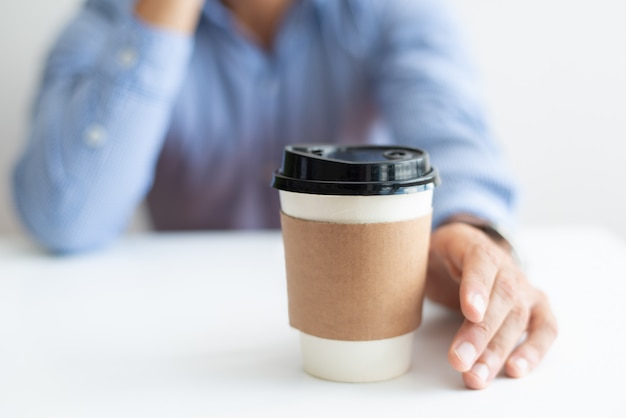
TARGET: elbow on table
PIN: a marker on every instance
(59, 233)
(61, 220)
(66, 241)
(63, 238)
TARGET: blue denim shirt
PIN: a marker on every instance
(196, 124)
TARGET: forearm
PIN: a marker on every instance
(177, 15)
(430, 96)
(79, 181)
(97, 129)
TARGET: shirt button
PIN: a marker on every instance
(127, 57)
(95, 136)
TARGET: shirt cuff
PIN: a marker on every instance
(470, 200)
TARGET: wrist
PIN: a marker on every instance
(178, 15)
(496, 233)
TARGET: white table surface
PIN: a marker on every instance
(195, 325)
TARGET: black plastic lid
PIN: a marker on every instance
(354, 170)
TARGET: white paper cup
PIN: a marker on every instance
(356, 361)
(360, 360)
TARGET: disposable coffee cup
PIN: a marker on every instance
(356, 226)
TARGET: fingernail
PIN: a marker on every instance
(478, 302)
(521, 364)
(481, 371)
(466, 353)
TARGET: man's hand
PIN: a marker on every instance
(508, 323)
(178, 15)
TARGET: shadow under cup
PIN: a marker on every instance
(356, 227)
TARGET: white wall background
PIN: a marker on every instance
(27, 29)
(555, 78)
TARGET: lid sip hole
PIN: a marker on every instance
(396, 154)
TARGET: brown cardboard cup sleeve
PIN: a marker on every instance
(355, 282)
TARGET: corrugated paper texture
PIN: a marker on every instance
(355, 282)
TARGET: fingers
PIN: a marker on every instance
(499, 304)
(474, 261)
(493, 358)
(499, 321)
(485, 345)
(481, 350)
(542, 332)
(480, 267)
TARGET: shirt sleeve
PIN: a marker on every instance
(97, 126)
(431, 98)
